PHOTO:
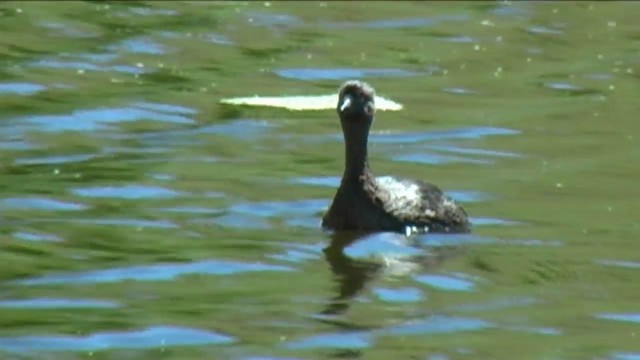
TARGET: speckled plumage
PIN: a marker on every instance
(369, 203)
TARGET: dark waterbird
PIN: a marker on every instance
(364, 202)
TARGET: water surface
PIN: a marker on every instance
(142, 218)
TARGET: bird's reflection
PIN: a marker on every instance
(353, 275)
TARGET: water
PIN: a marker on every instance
(141, 218)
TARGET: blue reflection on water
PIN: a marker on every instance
(34, 203)
(628, 317)
(401, 295)
(341, 340)
(139, 46)
(445, 282)
(79, 65)
(127, 192)
(100, 118)
(20, 88)
(313, 74)
(437, 324)
(154, 272)
(57, 303)
(151, 337)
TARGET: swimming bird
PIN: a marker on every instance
(364, 202)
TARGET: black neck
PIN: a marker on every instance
(356, 134)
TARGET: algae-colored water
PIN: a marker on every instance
(142, 219)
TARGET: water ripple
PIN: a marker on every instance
(437, 324)
(445, 282)
(214, 38)
(32, 203)
(148, 11)
(166, 108)
(191, 210)
(68, 30)
(280, 208)
(436, 240)
(99, 119)
(458, 39)
(628, 317)
(408, 294)
(218, 39)
(459, 133)
(57, 303)
(492, 221)
(563, 86)
(21, 88)
(55, 159)
(78, 65)
(240, 128)
(294, 255)
(313, 74)
(151, 337)
(544, 30)
(127, 192)
(138, 46)
(515, 10)
(459, 91)
(272, 20)
(620, 263)
(244, 129)
(341, 340)
(138, 223)
(16, 144)
(239, 221)
(569, 88)
(406, 23)
(435, 159)
(384, 244)
(625, 356)
(162, 177)
(329, 181)
(534, 330)
(154, 272)
(29, 236)
(472, 151)
(94, 57)
(498, 304)
(468, 196)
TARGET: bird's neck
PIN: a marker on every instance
(355, 141)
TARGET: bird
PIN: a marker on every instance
(364, 202)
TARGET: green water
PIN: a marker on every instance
(141, 219)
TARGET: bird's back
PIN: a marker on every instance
(390, 204)
(417, 204)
